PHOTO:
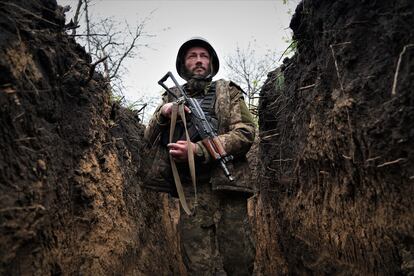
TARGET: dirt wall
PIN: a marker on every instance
(335, 154)
(70, 200)
(336, 130)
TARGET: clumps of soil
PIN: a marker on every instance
(336, 152)
(336, 129)
(70, 161)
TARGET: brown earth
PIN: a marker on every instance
(70, 161)
(335, 153)
(337, 144)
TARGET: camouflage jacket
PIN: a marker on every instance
(236, 131)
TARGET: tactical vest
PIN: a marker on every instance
(207, 103)
(216, 104)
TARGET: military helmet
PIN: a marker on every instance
(196, 42)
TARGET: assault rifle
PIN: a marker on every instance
(202, 125)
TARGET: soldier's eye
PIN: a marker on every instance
(191, 56)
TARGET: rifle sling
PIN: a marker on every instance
(178, 108)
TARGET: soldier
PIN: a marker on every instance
(216, 238)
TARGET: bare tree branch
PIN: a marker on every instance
(92, 69)
(76, 16)
(144, 106)
(110, 47)
(89, 34)
(138, 33)
(88, 30)
(249, 71)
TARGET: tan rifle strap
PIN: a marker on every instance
(178, 108)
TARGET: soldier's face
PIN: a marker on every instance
(197, 61)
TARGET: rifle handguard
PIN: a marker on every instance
(208, 143)
(219, 147)
(216, 150)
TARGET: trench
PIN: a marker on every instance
(334, 160)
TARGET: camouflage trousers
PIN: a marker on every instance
(217, 238)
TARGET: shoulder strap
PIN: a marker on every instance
(179, 108)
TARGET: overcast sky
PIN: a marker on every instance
(226, 24)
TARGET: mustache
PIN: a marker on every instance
(200, 66)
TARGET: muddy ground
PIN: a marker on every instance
(336, 150)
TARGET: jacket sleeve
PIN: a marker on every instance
(156, 125)
(241, 132)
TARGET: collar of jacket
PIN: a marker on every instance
(197, 93)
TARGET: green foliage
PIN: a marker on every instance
(128, 104)
(280, 82)
(256, 120)
(291, 49)
(116, 98)
(133, 105)
(142, 107)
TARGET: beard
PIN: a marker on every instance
(195, 84)
(198, 83)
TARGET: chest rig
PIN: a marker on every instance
(207, 103)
